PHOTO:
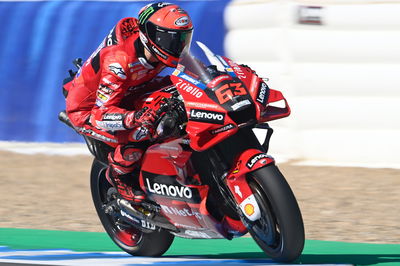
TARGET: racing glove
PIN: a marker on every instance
(142, 118)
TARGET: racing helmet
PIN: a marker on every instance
(166, 31)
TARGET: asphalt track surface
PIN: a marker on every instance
(241, 251)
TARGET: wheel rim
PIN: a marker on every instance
(266, 230)
(127, 236)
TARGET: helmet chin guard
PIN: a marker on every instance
(166, 31)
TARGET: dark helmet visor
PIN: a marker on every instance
(171, 41)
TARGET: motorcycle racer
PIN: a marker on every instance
(125, 66)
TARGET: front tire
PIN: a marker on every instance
(280, 230)
(128, 238)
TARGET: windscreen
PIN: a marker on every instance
(217, 79)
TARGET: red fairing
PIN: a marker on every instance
(249, 161)
(164, 176)
(274, 112)
(262, 95)
(203, 135)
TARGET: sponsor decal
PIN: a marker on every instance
(218, 80)
(117, 69)
(95, 135)
(187, 87)
(185, 212)
(105, 90)
(237, 168)
(249, 209)
(102, 98)
(189, 78)
(202, 105)
(112, 117)
(237, 69)
(130, 217)
(222, 129)
(182, 21)
(237, 191)
(130, 65)
(262, 94)
(162, 4)
(111, 125)
(158, 52)
(253, 160)
(239, 105)
(176, 191)
(140, 133)
(149, 9)
(205, 116)
(110, 83)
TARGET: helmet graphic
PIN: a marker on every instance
(166, 31)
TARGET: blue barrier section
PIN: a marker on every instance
(40, 40)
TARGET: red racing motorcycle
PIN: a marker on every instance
(206, 174)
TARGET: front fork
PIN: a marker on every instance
(248, 161)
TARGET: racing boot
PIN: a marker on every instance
(124, 186)
(123, 172)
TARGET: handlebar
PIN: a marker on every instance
(171, 119)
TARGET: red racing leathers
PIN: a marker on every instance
(99, 98)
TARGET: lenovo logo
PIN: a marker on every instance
(262, 93)
(207, 116)
(169, 190)
(253, 160)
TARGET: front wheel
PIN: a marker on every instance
(128, 238)
(280, 230)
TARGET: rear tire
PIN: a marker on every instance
(129, 239)
(280, 230)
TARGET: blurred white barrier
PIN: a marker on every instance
(338, 64)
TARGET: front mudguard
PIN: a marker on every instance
(250, 160)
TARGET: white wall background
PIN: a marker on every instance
(341, 77)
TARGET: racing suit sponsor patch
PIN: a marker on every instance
(117, 69)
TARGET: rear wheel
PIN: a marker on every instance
(128, 238)
(280, 230)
